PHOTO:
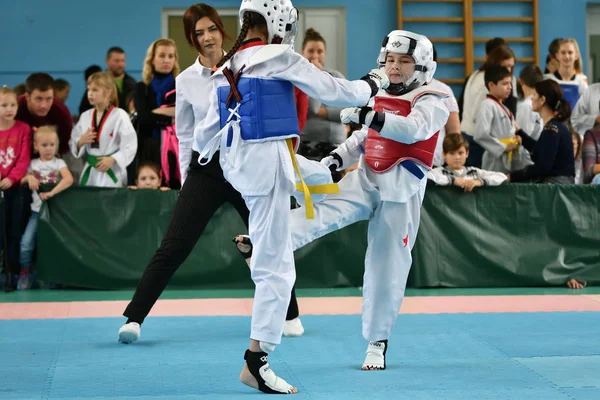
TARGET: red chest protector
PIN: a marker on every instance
(383, 154)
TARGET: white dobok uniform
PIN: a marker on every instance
(254, 127)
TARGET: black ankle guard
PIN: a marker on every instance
(384, 351)
(256, 361)
(245, 240)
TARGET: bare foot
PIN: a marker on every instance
(372, 368)
(247, 378)
(274, 383)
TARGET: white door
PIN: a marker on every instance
(593, 42)
(331, 24)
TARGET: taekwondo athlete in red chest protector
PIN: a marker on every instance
(395, 150)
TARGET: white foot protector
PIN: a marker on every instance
(129, 333)
(257, 374)
(375, 359)
(293, 328)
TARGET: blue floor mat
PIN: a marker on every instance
(448, 356)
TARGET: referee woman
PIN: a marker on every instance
(205, 189)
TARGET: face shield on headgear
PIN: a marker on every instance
(280, 15)
(414, 45)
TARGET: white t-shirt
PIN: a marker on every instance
(47, 172)
(452, 106)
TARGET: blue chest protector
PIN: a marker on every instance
(267, 110)
(570, 93)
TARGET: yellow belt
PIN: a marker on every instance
(330, 188)
(507, 141)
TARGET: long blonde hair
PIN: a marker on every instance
(578, 65)
(148, 70)
(106, 81)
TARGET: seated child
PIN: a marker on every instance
(454, 172)
(148, 177)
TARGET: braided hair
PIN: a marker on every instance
(246, 25)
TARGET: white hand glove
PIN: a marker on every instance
(349, 115)
(332, 163)
(379, 78)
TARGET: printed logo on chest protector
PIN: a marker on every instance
(395, 112)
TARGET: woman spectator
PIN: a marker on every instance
(569, 73)
(158, 79)
(552, 154)
(324, 130)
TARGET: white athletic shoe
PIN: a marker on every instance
(375, 359)
(129, 333)
(293, 328)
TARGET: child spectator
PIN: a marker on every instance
(105, 135)
(586, 114)
(495, 125)
(456, 150)
(61, 90)
(591, 156)
(148, 177)
(15, 154)
(47, 176)
(526, 118)
(552, 153)
(570, 72)
(578, 152)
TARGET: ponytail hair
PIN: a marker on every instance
(312, 36)
(550, 89)
(555, 101)
(250, 20)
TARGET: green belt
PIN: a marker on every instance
(91, 162)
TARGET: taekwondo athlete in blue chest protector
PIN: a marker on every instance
(252, 117)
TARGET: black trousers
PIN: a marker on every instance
(204, 191)
(14, 214)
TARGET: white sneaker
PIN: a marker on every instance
(293, 328)
(129, 333)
